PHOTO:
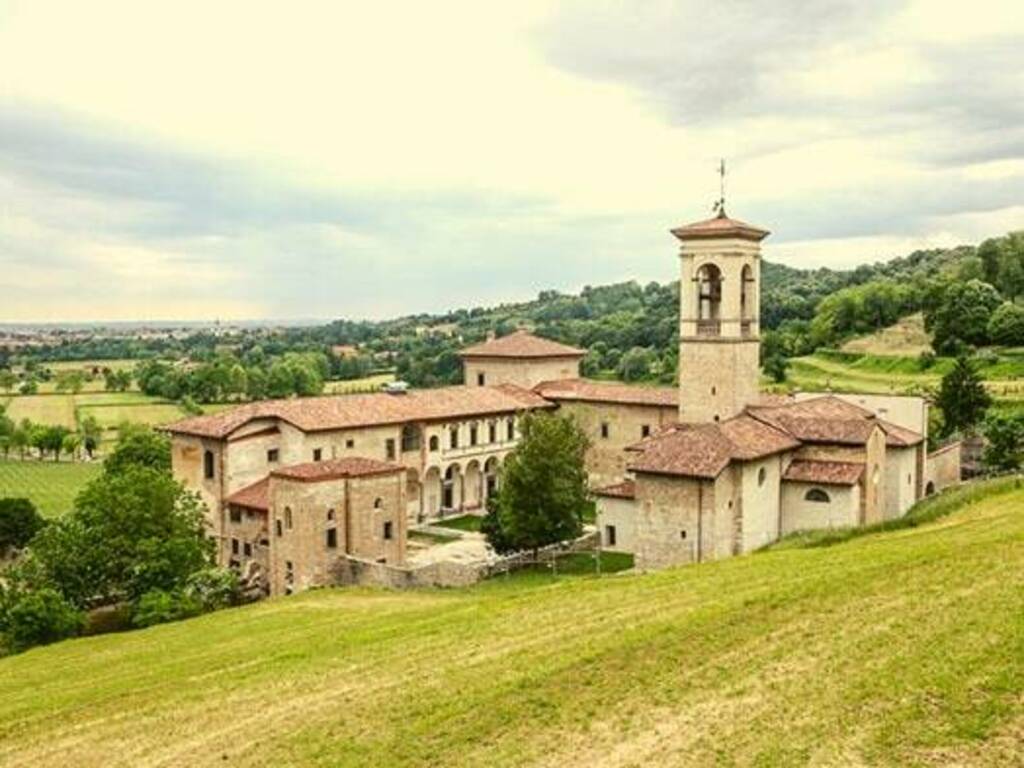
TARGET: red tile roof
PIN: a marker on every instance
(829, 419)
(624, 490)
(352, 411)
(720, 226)
(255, 496)
(704, 450)
(608, 392)
(319, 471)
(824, 472)
(521, 344)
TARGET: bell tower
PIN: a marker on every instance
(719, 327)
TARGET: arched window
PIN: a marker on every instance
(434, 443)
(288, 517)
(746, 293)
(410, 438)
(208, 465)
(378, 503)
(453, 434)
(816, 494)
(330, 514)
(762, 475)
(709, 300)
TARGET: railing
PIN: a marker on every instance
(709, 327)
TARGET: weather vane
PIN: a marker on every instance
(719, 206)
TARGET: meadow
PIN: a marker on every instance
(51, 486)
(904, 647)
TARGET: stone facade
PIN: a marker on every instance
(527, 373)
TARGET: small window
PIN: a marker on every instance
(474, 434)
(234, 546)
(350, 443)
(389, 448)
(480, 379)
(714, 391)
(318, 454)
(330, 514)
(605, 431)
(762, 475)
(682, 535)
(387, 531)
(273, 455)
(378, 503)
(717, 417)
(410, 438)
(645, 430)
(332, 538)
(434, 443)
(492, 432)
(208, 465)
(288, 518)
(910, 479)
(511, 429)
(609, 535)
(247, 549)
(277, 526)
(818, 495)
(236, 515)
(453, 437)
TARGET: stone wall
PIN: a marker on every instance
(901, 481)
(621, 515)
(761, 494)
(523, 372)
(674, 521)
(842, 510)
(943, 468)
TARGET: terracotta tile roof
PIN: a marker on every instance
(829, 419)
(898, 436)
(521, 344)
(255, 496)
(608, 392)
(624, 490)
(704, 450)
(824, 472)
(720, 226)
(318, 471)
(351, 411)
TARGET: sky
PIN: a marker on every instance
(242, 160)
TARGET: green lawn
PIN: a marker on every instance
(899, 648)
(460, 523)
(51, 486)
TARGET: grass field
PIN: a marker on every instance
(152, 414)
(900, 648)
(366, 384)
(43, 409)
(51, 486)
(907, 337)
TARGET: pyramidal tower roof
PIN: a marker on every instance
(720, 227)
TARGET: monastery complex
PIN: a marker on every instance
(709, 469)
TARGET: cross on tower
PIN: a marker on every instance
(719, 206)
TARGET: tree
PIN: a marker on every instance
(91, 434)
(70, 444)
(636, 364)
(543, 491)
(139, 447)
(776, 366)
(1004, 434)
(70, 381)
(7, 380)
(1006, 326)
(37, 618)
(962, 397)
(19, 522)
(962, 316)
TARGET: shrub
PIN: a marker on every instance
(926, 360)
(37, 618)
(159, 607)
(19, 522)
(214, 588)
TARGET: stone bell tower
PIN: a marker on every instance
(719, 327)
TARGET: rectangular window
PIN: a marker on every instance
(511, 429)
(454, 437)
(273, 455)
(480, 379)
(247, 549)
(645, 430)
(332, 538)
(604, 430)
(492, 432)
(609, 535)
(318, 454)
(350, 443)
(235, 514)
(278, 527)
(208, 465)
(234, 546)
(387, 530)
(389, 448)
(473, 434)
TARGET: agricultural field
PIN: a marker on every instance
(51, 486)
(152, 414)
(58, 410)
(365, 384)
(896, 648)
(905, 338)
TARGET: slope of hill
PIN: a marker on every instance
(897, 648)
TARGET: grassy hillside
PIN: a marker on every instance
(51, 486)
(899, 648)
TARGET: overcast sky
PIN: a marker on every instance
(198, 160)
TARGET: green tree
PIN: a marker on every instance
(19, 522)
(962, 316)
(7, 380)
(37, 618)
(70, 381)
(1004, 434)
(1006, 326)
(636, 364)
(91, 433)
(776, 366)
(962, 397)
(543, 491)
(71, 444)
(139, 447)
